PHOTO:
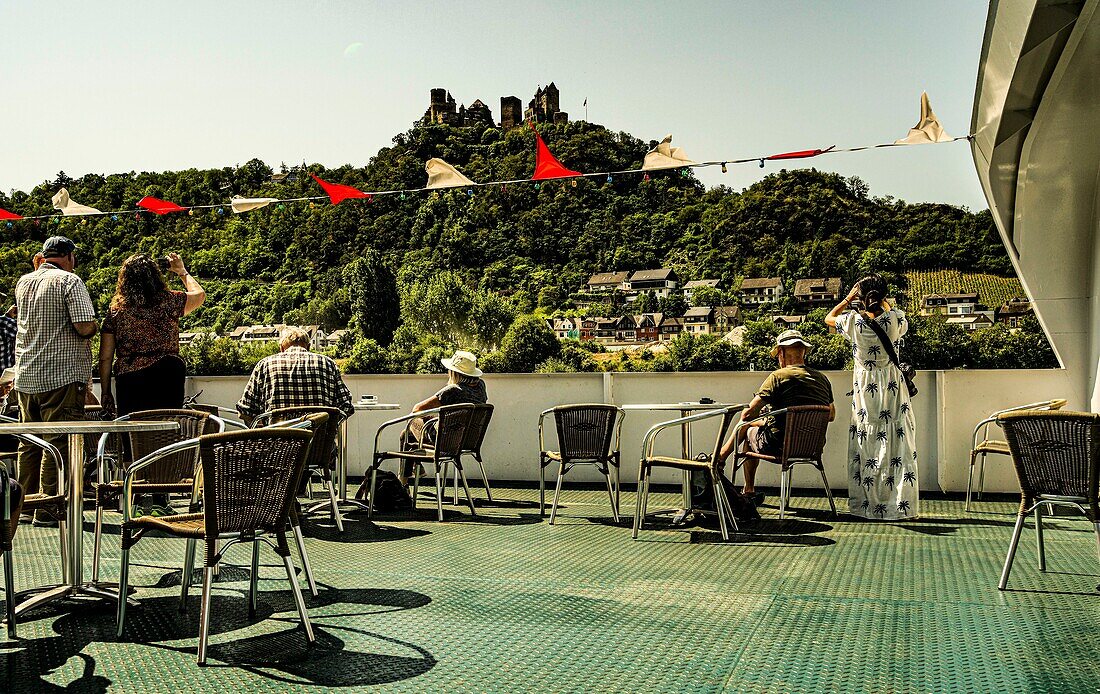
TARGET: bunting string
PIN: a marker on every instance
(442, 176)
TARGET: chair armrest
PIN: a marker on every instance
(651, 435)
(384, 425)
(137, 465)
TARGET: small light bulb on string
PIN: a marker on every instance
(402, 195)
(190, 213)
(724, 169)
(313, 204)
(137, 215)
(280, 206)
(9, 225)
(114, 218)
(574, 182)
(645, 177)
(536, 186)
(221, 210)
(761, 163)
(470, 192)
(37, 222)
(503, 188)
(609, 178)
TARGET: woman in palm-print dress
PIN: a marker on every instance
(882, 458)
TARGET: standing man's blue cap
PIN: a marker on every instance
(57, 247)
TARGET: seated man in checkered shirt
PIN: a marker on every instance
(292, 378)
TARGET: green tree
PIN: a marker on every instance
(528, 343)
(706, 296)
(373, 299)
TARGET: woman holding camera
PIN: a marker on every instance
(139, 342)
(882, 455)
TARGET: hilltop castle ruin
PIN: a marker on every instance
(543, 108)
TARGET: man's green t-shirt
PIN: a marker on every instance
(789, 386)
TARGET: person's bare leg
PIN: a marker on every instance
(750, 463)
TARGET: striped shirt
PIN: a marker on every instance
(48, 352)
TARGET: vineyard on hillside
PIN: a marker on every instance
(992, 290)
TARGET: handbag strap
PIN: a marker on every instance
(886, 344)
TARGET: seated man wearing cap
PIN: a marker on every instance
(53, 355)
(295, 377)
(793, 383)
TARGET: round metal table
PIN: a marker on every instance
(74, 584)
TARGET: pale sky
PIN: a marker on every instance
(153, 86)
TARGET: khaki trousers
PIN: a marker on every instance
(64, 404)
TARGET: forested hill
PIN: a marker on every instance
(536, 244)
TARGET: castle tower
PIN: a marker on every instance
(441, 109)
(511, 111)
(550, 101)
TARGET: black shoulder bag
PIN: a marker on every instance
(907, 370)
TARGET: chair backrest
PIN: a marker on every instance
(1055, 452)
(479, 425)
(178, 467)
(804, 432)
(585, 431)
(203, 407)
(450, 432)
(322, 452)
(250, 477)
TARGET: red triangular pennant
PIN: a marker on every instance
(337, 192)
(4, 214)
(158, 206)
(547, 166)
(803, 154)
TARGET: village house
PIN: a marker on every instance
(669, 328)
(626, 329)
(607, 282)
(657, 283)
(605, 329)
(690, 287)
(760, 290)
(726, 318)
(788, 322)
(333, 338)
(698, 320)
(564, 328)
(973, 321)
(819, 291)
(1012, 311)
(961, 304)
(254, 334)
(648, 326)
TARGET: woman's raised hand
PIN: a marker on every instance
(175, 264)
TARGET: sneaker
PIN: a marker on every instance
(44, 522)
(25, 518)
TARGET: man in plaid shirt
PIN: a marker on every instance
(53, 355)
(292, 378)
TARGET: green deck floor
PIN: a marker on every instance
(507, 603)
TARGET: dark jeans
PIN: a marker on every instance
(64, 404)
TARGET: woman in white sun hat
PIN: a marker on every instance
(464, 385)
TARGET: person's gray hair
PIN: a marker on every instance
(294, 337)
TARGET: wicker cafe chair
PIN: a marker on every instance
(13, 506)
(172, 474)
(450, 433)
(324, 438)
(588, 434)
(988, 446)
(322, 452)
(804, 432)
(471, 445)
(710, 467)
(248, 483)
(1057, 460)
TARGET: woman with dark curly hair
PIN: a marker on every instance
(140, 335)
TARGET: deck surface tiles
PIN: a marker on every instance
(506, 603)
